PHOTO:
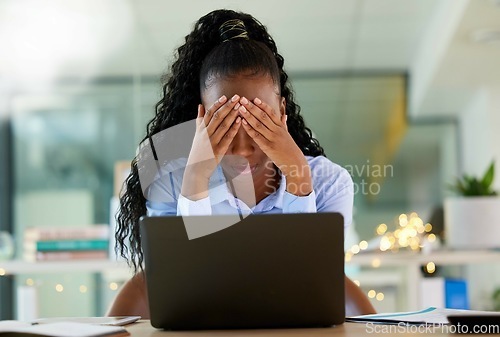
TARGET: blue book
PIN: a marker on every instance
(456, 294)
(60, 245)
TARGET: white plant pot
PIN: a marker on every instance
(472, 222)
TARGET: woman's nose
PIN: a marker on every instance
(242, 144)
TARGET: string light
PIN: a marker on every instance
(2, 272)
(83, 289)
(430, 267)
(410, 233)
(376, 263)
(403, 220)
(381, 229)
(348, 256)
(113, 286)
(59, 288)
(30, 282)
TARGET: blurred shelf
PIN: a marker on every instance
(411, 263)
(376, 278)
(403, 258)
(13, 267)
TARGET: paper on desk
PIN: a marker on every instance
(113, 320)
(430, 315)
(63, 329)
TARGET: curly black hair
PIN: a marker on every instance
(205, 54)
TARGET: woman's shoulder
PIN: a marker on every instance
(324, 170)
(323, 163)
(331, 181)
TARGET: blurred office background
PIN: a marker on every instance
(403, 93)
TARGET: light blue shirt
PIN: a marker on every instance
(332, 192)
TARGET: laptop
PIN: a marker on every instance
(265, 271)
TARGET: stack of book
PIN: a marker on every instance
(66, 243)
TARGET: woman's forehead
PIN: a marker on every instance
(252, 86)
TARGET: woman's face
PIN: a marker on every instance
(243, 150)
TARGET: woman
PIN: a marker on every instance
(229, 76)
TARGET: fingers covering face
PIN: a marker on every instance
(221, 115)
(225, 116)
(261, 117)
(221, 122)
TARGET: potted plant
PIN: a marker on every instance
(472, 219)
(496, 300)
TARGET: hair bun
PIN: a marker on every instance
(233, 29)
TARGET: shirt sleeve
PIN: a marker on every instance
(155, 208)
(161, 196)
(338, 196)
(299, 204)
(187, 207)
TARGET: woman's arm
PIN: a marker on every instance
(356, 302)
(132, 299)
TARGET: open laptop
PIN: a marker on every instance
(266, 271)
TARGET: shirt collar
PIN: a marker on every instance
(217, 188)
(219, 192)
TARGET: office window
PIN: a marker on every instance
(65, 146)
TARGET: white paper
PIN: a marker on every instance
(63, 329)
(430, 315)
(116, 321)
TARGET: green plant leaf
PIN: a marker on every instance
(459, 187)
(472, 186)
(496, 294)
(488, 176)
(475, 187)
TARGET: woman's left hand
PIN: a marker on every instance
(270, 132)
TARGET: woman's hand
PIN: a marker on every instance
(215, 130)
(269, 130)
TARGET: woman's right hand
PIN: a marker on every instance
(215, 130)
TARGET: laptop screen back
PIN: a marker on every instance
(266, 271)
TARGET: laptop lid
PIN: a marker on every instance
(266, 271)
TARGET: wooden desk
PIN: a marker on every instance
(144, 329)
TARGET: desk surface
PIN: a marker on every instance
(143, 329)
